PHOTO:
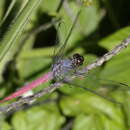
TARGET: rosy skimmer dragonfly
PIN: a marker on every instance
(62, 70)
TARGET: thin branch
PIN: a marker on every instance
(108, 55)
(31, 99)
(28, 106)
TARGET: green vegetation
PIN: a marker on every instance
(26, 53)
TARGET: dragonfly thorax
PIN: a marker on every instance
(66, 68)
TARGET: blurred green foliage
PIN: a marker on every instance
(25, 55)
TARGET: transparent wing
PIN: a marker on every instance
(59, 42)
(110, 90)
(112, 83)
(60, 51)
(95, 92)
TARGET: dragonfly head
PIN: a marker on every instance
(77, 60)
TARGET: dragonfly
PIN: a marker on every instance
(62, 69)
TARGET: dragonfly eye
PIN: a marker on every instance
(78, 59)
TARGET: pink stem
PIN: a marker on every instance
(29, 86)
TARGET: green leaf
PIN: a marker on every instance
(86, 24)
(49, 6)
(84, 107)
(114, 39)
(33, 61)
(96, 122)
(86, 102)
(85, 122)
(6, 126)
(118, 68)
(38, 118)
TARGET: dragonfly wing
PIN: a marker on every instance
(57, 46)
(60, 51)
(98, 93)
(114, 84)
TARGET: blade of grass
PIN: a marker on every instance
(14, 32)
(2, 2)
(8, 11)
